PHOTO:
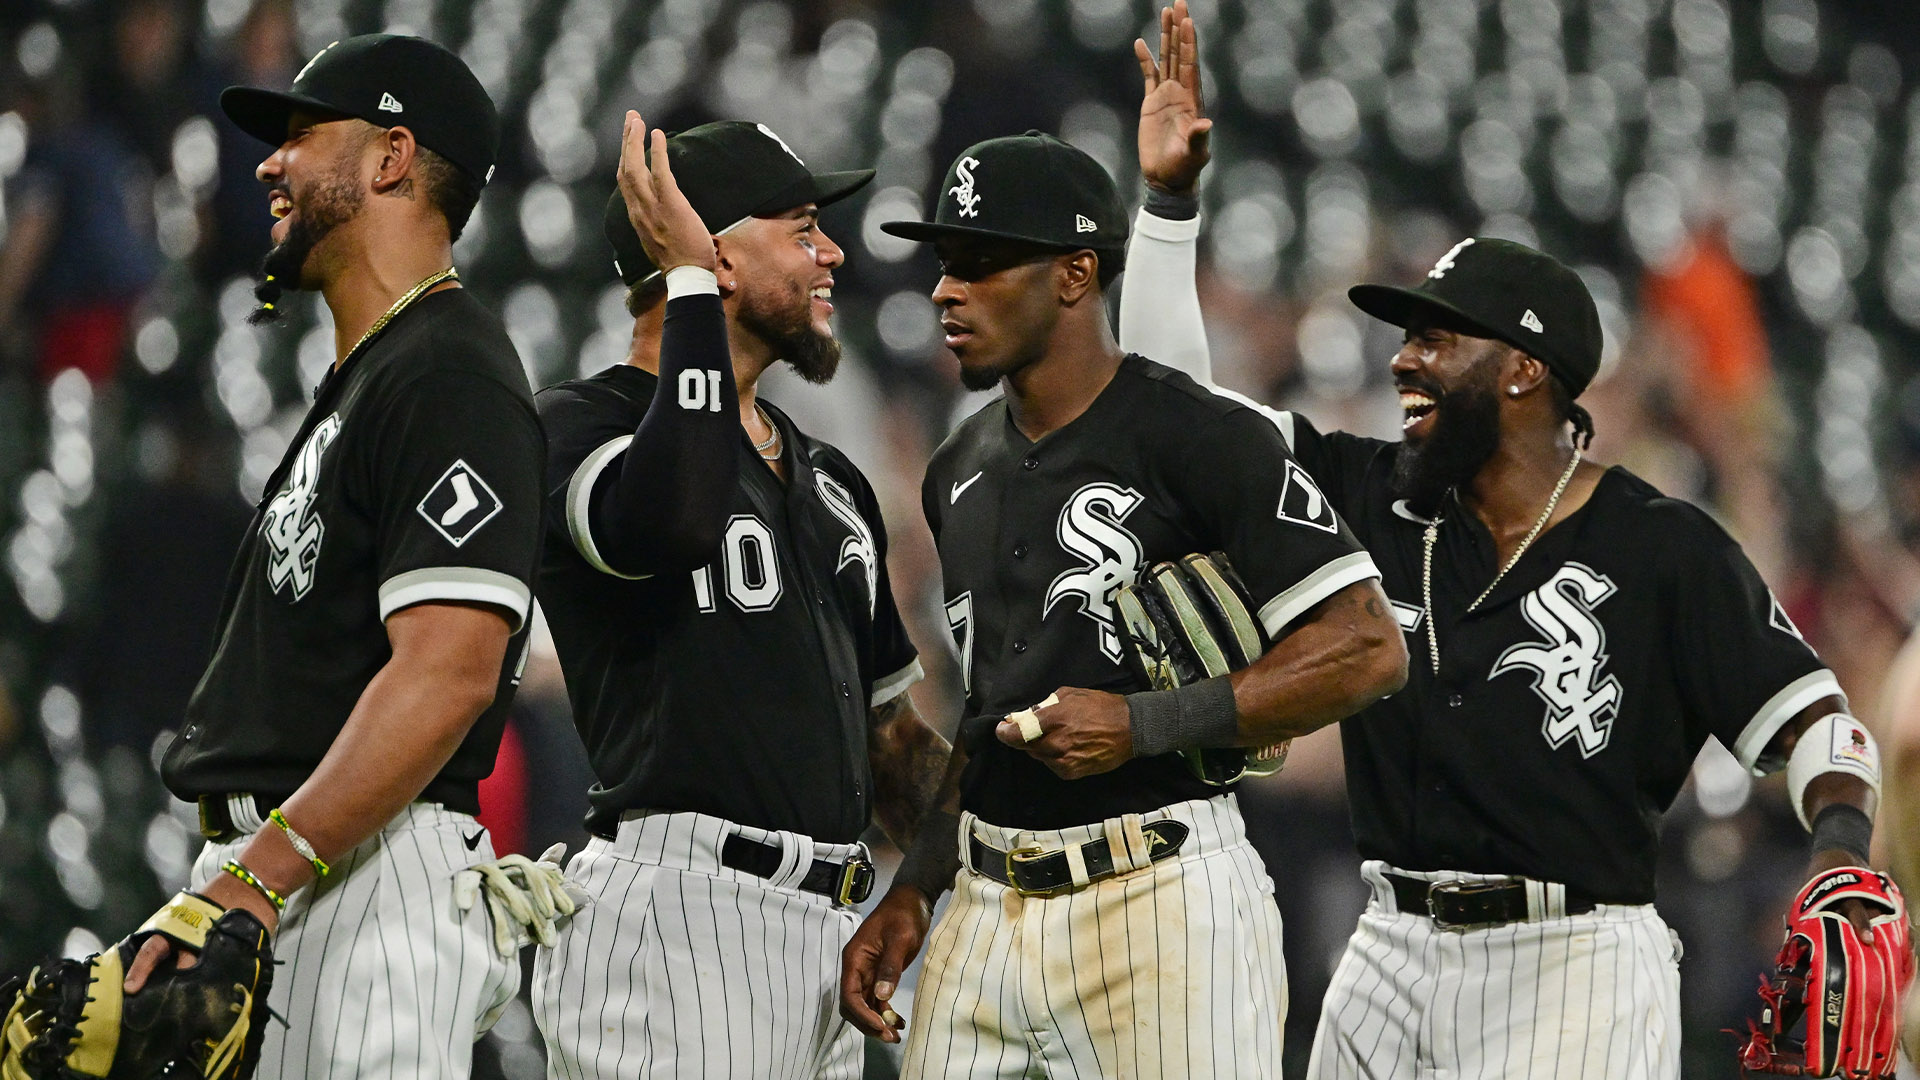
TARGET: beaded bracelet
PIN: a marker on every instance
(300, 843)
(233, 867)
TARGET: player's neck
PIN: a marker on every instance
(1510, 491)
(1053, 391)
(368, 273)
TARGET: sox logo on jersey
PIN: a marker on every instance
(290, 527)
(1090, 528)
(859, 547)
(1567, 668)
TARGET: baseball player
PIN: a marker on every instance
(717, 586)
(1109, 918)
(1576, 637)
(1900, 721)
(374, 620)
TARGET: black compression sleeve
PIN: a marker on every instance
(666, 509)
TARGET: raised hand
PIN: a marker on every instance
(670, 229)
(1173, 131)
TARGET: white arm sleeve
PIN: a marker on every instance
(1159, 301)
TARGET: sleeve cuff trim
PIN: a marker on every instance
(580, 500)
(1278, 613)
(1779, 709)
(894, 685)
(464, 583)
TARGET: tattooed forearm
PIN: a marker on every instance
(909, 758)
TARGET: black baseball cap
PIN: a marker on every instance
(1510, 293)
(391, 80)
(730, 170)
(1033, 188)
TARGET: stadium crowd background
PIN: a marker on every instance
(1739, 182)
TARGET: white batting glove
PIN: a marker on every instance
(527, 899)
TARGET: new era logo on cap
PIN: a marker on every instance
(388, 103)
(1532, 322)
(1083, 223)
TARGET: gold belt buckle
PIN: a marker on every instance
(856, 881)
(1030, 854)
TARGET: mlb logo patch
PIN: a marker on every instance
(459, 504)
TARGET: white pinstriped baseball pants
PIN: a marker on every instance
(380, 976)
(681, 967)
(1593, 996)
(1172, 971)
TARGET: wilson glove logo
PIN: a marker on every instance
(859, 547)
(1090, 529)
(459, 503)
(1581, 703)
(290, 527)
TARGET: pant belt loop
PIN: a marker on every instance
(796, 858)
(966, 843)
(1077, 865)
(1117, 847)
(1556, 900)
(242, 812)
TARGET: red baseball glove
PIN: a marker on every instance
(1847, 990)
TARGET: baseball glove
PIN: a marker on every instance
(72, 1019)
(526, 899)
(1848, 991)
(1188, 620)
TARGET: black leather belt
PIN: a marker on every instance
(216, 821)
(846, 883)
(1462, 903)
(1037, 872)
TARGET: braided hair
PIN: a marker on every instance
(1571, 412)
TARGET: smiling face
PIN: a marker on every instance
(314, 186)
(784, 264)
(1450, 404)
(997, 308)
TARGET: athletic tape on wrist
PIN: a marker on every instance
(1199, 715)
(1835, 743)
(1842, 827)
(935, 856)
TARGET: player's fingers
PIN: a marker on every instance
(153, 952)
(1149, 71)
(633, 163)
(663, 181)
(856, 971)
(1169, 43)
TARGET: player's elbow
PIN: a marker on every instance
(1381, 669)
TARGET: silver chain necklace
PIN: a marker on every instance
(1432, 537)
(773, 436)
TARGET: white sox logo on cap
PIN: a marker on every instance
(768, 132)
(962, 192)
(1446, 261)
(310, 63)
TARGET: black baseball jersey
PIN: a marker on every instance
(741, 690)
(1571, 702)
(1035, 537)
(415, 478)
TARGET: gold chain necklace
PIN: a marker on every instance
(1433, 536)
(408, 297)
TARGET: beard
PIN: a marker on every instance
(787, 327)
(331, 204)
(1466, 432)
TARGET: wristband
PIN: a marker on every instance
(690, 280)
(1199, 715)
(1841, 827)
(935, 856)
(300, 843)
(1172, 206)
(232, 866)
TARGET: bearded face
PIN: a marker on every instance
(1448, 440)
(314, 208)
(781, 313)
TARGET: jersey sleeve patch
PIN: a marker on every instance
(1779, 709)
(1302, 504)
(1280, 612)
(580, 504)
(459, 503)
(468, 584)
(885, 690)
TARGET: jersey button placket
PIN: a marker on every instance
(1030, 463)
(1020, 646)
(1454, 701)
(1019, 551)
